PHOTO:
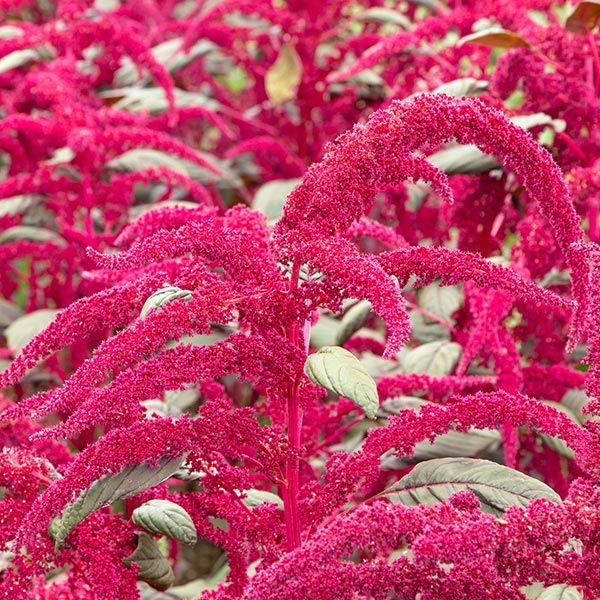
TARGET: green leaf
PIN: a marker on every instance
(464, 158)
(425, 331)
(380, 14)
(149, 593)
(162, 297)
(324, 332)
(537, 120)
(20, 332)
(475, 442)
(556, 443)
(466, 86)
(192, 589)
(106, 490)
(31, 234)
(469, 160)
(154, 99)
(170, 54)
(270, 198)
(16, 205)
(352, 321)
(181, 399)
(434, 6)
(497, 487)
(18, 58)
(145, 158)
(154, 568)
(9, 31)
(253, 498)
(9, 312)
(576, 400)
(377, 366)
(433, 358)
(339, 371)
(166, 518)
(560, 591)
(441, 301)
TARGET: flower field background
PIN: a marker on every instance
(299, 300)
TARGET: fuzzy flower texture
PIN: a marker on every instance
(300, 300)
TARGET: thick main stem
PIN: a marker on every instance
(294, 424)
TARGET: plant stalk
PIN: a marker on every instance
(294, 425)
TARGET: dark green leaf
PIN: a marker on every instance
(341, 372)
(475, 442)
(496, 486)
(108, 489)
(352, 321)
(154, 568)
(166, 518)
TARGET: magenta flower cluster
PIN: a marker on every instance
(317, 282)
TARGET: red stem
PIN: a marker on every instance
(430, 315)
(335, 435)
(593, 219)
(596, 58)
(573, 146)
(294, 424)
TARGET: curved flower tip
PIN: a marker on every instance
(339, 190)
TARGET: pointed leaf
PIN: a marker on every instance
(107, 489)
(270, 197)
(145, 158)
(31, 234)
(495, 38)
(18, 58)
(353, 320)
(496, 486)
(475, 442)
(154, 568)
(576, 400)
(424, 331)
(324, 332)
(466, 86)
(284, 75)
(584, 17)
(556, 443)
(434, 358)
(254, 498)
(20, 332)
(170, 54)
(380, 14)
(16, 205)
(166, 518)
(339, 371)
